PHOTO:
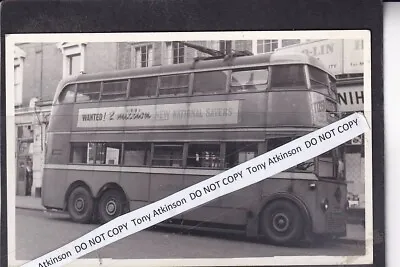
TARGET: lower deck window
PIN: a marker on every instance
(326, 165)
(306, 166)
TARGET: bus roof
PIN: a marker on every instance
(279, 57)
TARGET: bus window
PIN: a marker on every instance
(204, 156)
(79, 152)
(332, 87)
(277, 142)
(114, 90)
(209, 82)
(168, 155)
(237, 153)
(326, 165)
(143, 87)
(88, 92)
(249, 80)
(318, 80)
(287, 76)
(306, 166)
(67, 95)
(174, 84)
(108, 153)
(136, 154)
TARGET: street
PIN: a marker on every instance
(38, 233)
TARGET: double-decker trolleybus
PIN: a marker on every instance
(120, 140)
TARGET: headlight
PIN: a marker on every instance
(325, 205)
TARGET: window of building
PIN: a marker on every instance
(287, 76)
(249, 80)
(168, 155)
(67, 95)
(204, 156)
(225, 46)
(88, 92)
(287, 42)
(175, 53)
(74, 64)
(19, 58)
(265, 46)
(17, 85)
(73, 58)
(174, 84)
(137, 154)
(210, 82)
(144, 56)
(239, 152)
(114, 90)
(143, 87)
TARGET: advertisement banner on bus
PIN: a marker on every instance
(200, 113)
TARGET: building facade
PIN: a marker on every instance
(39, 67)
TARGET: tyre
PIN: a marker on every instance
(80, 205)
(281, 222)
(111, 205)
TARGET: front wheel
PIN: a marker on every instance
(80, 205)
(282, 222)
(111, 205)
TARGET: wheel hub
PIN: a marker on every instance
(111, 207)
(280, 222)
(79, 204)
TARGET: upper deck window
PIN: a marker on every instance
(287, 76)
(174, 84)
(209, 82)
(114, 90)
(67, 95)
(88, 92)
(143, 87)
(249, 80)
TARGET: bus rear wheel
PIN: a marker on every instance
(111, 205)
(282, 223)
(80, 205)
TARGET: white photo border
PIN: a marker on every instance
(12, 39)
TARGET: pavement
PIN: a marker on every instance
(355, 232)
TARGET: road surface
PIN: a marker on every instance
(38, 233)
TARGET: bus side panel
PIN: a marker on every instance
(136, 186)
(190, 180)
(94, 179)
(332, 221)
(289, 108)
(61, 118)
(54, 186)
(164, 185)
(58, 148)
(215, 211)
(217, 215)
(244, 198)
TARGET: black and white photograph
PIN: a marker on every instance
(102, 125)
